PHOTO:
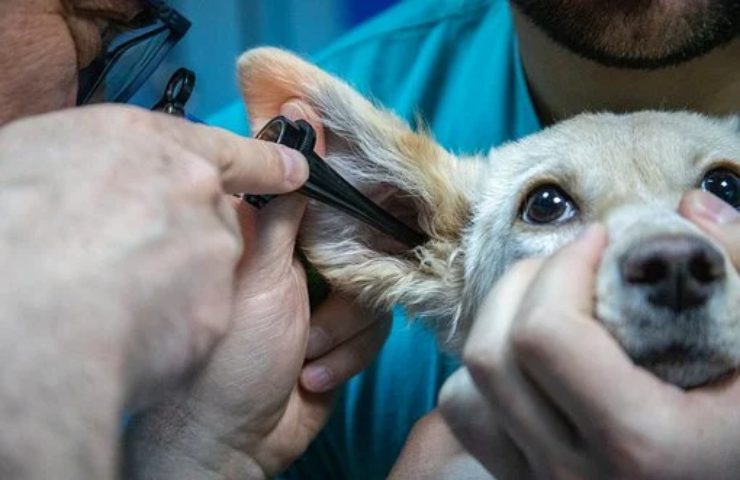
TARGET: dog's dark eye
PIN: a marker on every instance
(724, 184)
(547, 204)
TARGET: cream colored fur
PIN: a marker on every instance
(628, 171)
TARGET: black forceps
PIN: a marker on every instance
(327, 186)
(324, 183)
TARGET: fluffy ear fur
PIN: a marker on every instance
(404, 171)
(734, 122)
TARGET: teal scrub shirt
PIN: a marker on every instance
(456, 64)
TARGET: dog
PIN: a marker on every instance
(666, 291)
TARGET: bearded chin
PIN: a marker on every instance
(637, 34)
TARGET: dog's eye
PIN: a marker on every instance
(724, 184)
(547, 204)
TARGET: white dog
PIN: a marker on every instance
(666, 291)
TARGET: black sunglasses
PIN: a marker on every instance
(131, 54)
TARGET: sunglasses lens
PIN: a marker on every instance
(131, 52)
(122, 79)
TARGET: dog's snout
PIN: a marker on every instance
(678, 272)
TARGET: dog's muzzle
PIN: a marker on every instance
(675, 272)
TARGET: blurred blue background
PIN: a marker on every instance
(222, 29)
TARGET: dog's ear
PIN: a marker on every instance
(403, 171)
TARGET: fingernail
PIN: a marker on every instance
(712, 208)
(295, 167)
(316, 379)
(318, 342)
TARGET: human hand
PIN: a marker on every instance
(120, 250)
(432, 452)
(265, 393)
(717, 218)
(554, 395)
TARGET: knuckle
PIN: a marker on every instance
(531, 333)
(484, 365)
(209, 177)
(126, 117)
(453, 394)
(199, 174)
(457, 399)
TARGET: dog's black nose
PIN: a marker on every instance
(678, 272)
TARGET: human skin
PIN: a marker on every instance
(139, 266)
(555, 396)
(547, 393)
(564, 84)
(119, 252)
(245, 415)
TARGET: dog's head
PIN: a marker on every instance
(666, 291)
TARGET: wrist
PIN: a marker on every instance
(167, 443)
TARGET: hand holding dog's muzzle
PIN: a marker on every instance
(550, 380)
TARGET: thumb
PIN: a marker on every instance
(280, 220)
(716, 217)
(568, 277)
(278, 223)
(269, 234)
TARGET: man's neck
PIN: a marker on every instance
(563, 84)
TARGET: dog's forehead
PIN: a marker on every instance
(645, 151)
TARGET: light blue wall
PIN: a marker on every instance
(222, 29)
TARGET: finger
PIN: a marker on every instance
(572, 358)
(528, 417)
(475, 425)
(567, 278)
(719, 219)
(245, 164)
(346, 360)
(278, 223)
(269, 237)
(336, 320)
(431, 451)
